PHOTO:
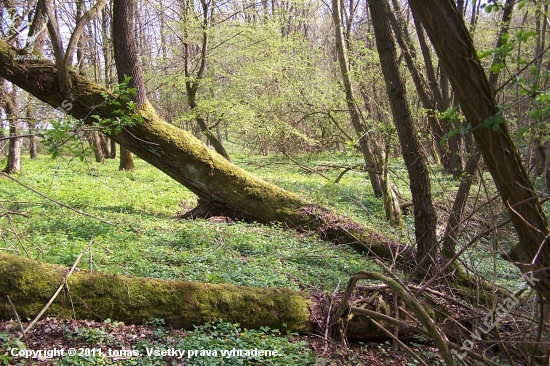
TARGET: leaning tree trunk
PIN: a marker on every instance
(457, 53)
(222, 187)
(425, 219)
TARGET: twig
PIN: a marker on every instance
(397, 341)
(328, 315)
(20, 325)
(52, 299)
(7, 214)
(304, 167)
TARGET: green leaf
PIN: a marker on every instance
(484, 54)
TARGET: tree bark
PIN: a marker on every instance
(184, 158)
(30, 284)
(355, 113)
(127, 63)
(95, 142)
(450, 238)
(457, 53)
(425, 219)
(113, 149)
(126, 160)
(13, 165)
(105, 146)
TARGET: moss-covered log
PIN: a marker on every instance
(222, 187)
(133, 300)
(98, 296)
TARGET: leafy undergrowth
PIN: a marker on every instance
(146, 238)
(215, 343)
(135, 231)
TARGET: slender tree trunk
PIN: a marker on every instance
(13, 164)
(434, 122)
(127, 63)
(425, 219)
(32, 140)
(355, 113)
(193, 82)
(14, 147)
(113, 149)
(454, 166)
(428, 100)
(452, 229)
(201, 122)
(505, 26)
(457, 53)
(32, 128)
(105, 146)
(126, 160)
(95, 141)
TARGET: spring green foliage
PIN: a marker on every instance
(64, 133)
(122, 107)
(149, 241)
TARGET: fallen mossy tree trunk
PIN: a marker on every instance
(30, 285)
(222, 187)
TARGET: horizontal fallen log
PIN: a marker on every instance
(30, 284)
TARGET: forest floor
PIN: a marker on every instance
(131, 220)
(111, 343)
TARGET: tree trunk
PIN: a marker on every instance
(126, 160)
(96, 147)
(218, 183)
(193, 81)
(205, 129)
(113, 149)
(32, 140)
(457, 53)
(30, 285)
(13, 164)
(429, 101)
(105, 146)
(454, 160)
(372, 150)
(457, 213)
(425, 219)
(355, 113)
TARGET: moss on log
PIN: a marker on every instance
(30, 284)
